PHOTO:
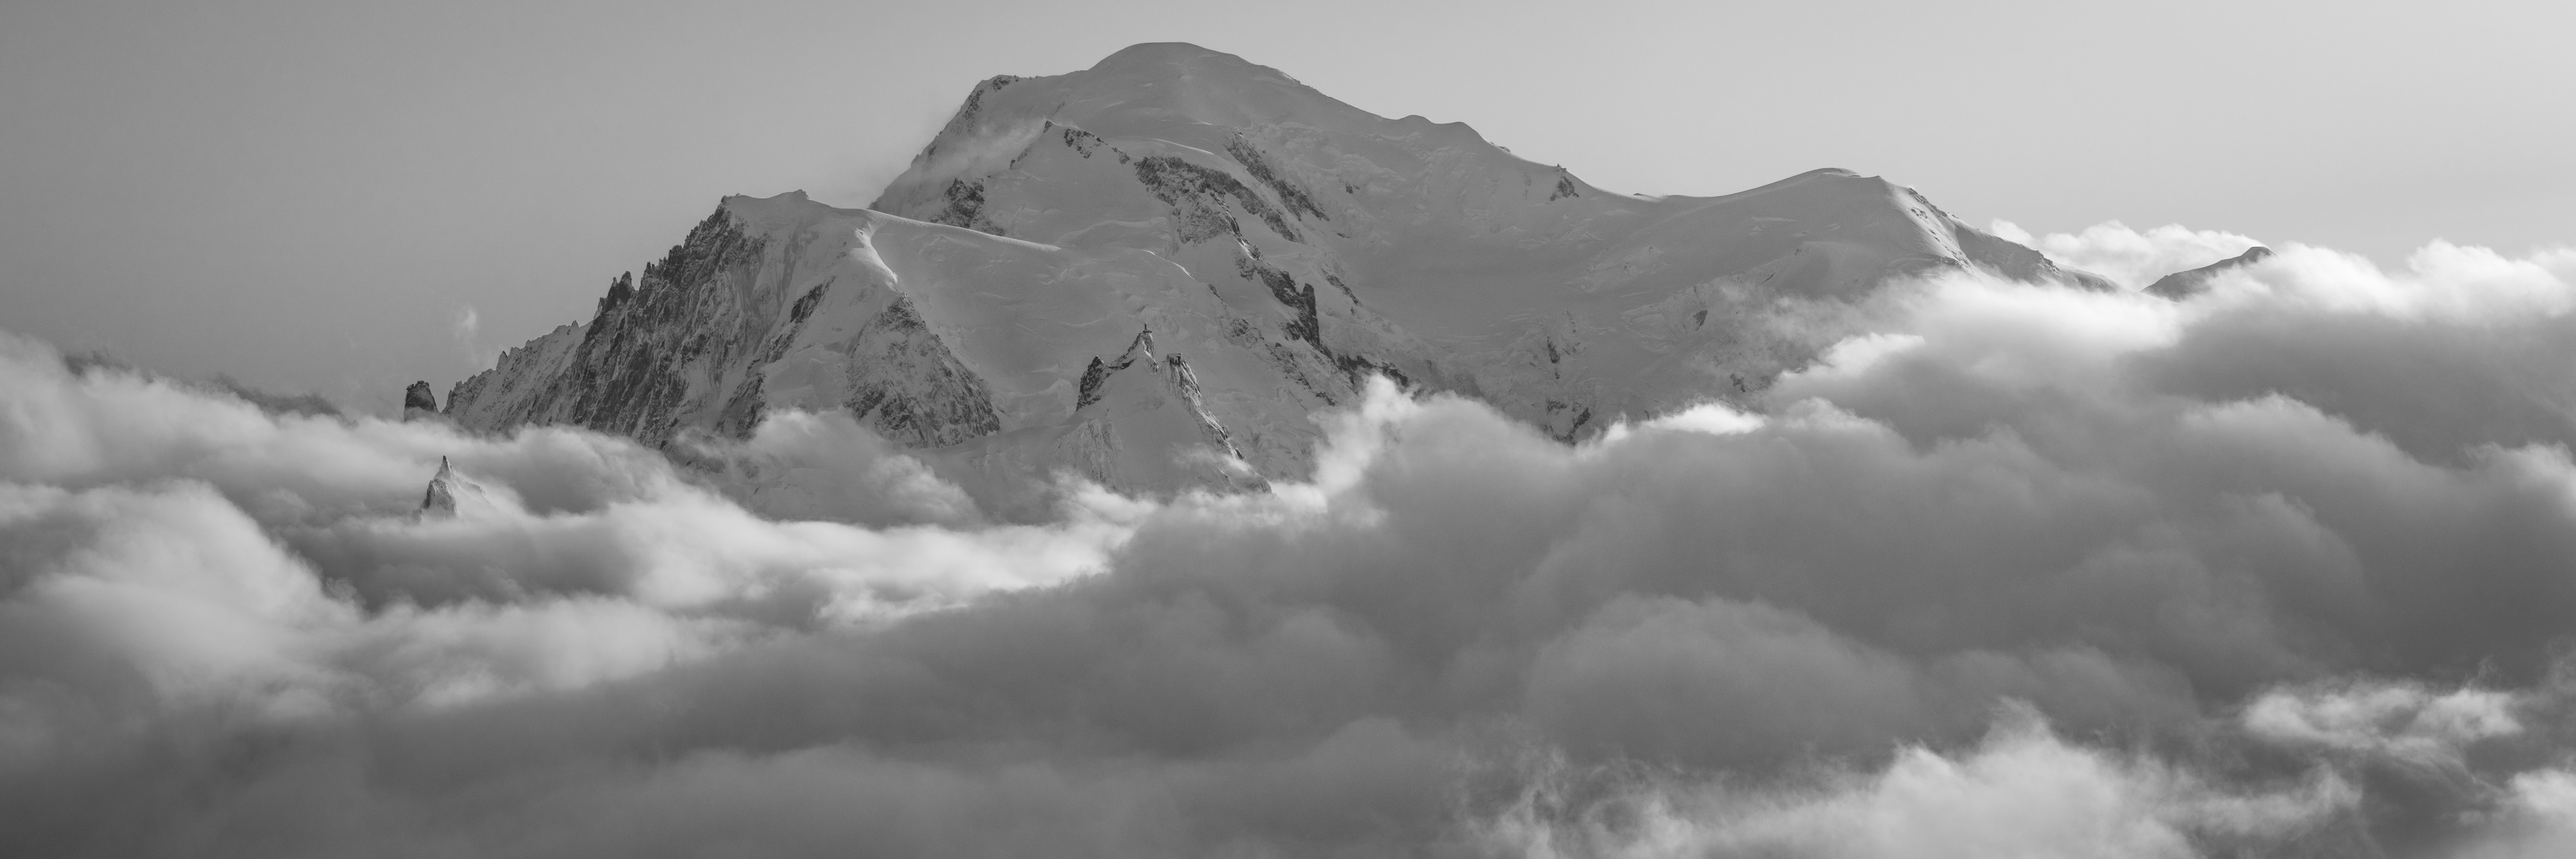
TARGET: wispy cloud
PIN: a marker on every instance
(467, 330)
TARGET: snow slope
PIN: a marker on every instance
(992, 308)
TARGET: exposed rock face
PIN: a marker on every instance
(732, 322)
(2184, 284)
(419, 401)
(904, 382)
(1280, 247)
(666, 353)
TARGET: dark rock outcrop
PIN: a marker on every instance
(419, 401)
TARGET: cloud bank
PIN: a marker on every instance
(2285, 569)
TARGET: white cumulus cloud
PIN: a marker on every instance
(2014, 570)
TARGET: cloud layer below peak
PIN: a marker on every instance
(2013, 570)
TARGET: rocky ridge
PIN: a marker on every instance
(2184, 284)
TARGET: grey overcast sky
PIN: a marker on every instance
(312, 195)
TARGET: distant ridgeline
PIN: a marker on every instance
(1152, 272)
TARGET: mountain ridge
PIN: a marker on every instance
(1281, 246)
(2184, 284)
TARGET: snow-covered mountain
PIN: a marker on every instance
(1154, 270)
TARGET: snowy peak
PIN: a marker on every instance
(1182, 56)
(1190, 100)
(1163, 145)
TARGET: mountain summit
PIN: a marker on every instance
(992, 308)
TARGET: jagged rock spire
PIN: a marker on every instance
(1141, 348)
(441, 497)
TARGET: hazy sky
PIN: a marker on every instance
(314, 195)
